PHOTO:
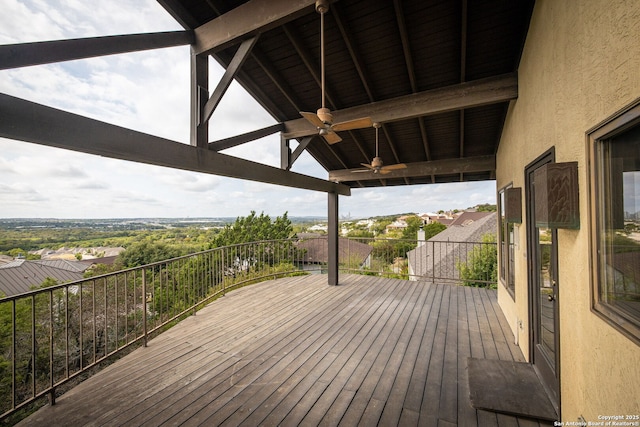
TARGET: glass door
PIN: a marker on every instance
(542, 261)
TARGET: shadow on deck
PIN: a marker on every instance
(296, 351)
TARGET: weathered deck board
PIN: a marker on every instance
(296, 351)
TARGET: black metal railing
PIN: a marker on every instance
(53, 335)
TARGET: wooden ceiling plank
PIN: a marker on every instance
(311, 64)
(27, 121)
(475, 93)
(28, 54)
(421, 169)
(463, 70)
(278, 81)
(353, 53)
(248, 19)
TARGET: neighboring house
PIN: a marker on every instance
(351, 253)
(87, 253)
(398, 224)
(436, 258)
(21, 275)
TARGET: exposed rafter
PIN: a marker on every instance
(27, 121)
(411, 74)
(420, 169)
(451, 98)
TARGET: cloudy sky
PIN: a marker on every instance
(149, 92)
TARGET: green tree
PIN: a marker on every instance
(145, 252)
(254, 228)
(481, 268)
(486, 207)
(432, 229)
(413, 225)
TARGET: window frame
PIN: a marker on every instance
(504, 255)
(615, 125)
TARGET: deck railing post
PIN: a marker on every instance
(332, 239)
(144, 305)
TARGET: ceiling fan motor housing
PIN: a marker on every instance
(325, 115)
(322, 6)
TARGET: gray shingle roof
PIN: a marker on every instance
(21, 275)
(349, 250)
(437, 257)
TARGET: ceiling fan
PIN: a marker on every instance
(377, 166)
(323, 119)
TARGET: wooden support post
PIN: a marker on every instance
(199, 97)
(332, 239)
(285, 153)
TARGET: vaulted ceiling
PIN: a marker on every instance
(437, 74)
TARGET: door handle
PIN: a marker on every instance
(551, 297)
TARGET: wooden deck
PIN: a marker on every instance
(296, 351)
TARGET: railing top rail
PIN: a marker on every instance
(220, 248)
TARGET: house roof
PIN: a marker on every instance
(20, 276)
(317, 250)
(433, 258)
(468, 218)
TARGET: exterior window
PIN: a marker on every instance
(616, 160)
(507, 255)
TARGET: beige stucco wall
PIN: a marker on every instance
(581, 64)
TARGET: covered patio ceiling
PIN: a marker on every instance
(438, 75)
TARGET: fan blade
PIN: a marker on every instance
(361, 171)
(367, 166)
(395, 167)
(360, 123)
(331, 137)
(313, 119)
(387, 169)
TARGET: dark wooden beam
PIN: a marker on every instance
(421, 169)
(233, 141)
(475, 93)
(27, 54)
(302, 145)
(27, 121)
(199, 136)
(248, 19)
(234, 66)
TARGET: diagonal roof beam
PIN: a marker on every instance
(234, 141)
(27, 54)
(229, 74)
(248, 19)
(27, 121)
(421, 169)
(475, 93)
